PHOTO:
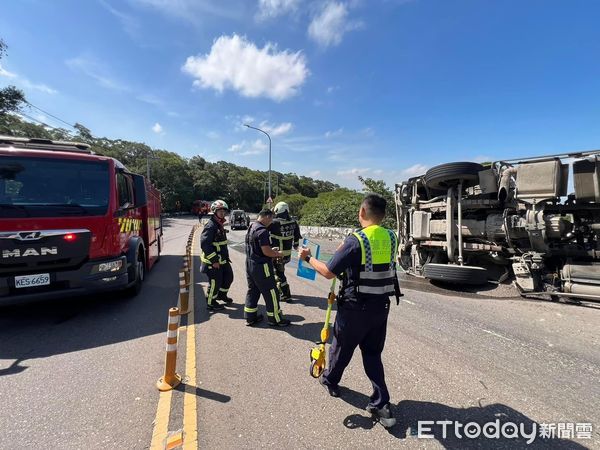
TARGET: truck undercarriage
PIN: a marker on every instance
(516, 219)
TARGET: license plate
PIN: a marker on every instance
(25, 281)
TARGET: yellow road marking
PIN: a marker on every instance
(190, 418)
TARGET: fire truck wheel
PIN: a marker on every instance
(140, 272)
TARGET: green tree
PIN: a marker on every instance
(295, 201)
(380, 187)
(11, 98)
(337, 208)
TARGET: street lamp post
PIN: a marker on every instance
(263, 131)
(148, 158)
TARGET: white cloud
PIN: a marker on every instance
(24, 83)
(414, 170)
(96, 70)
(276, 130)
(328, 27)
(129, 23)
(269, 9)
(482, 158)
(151, 99)
(245, 148)
(193, 11)
(335, 133)
(378, 172)
(368, 132)
(332, 89)
(157, 128)
(6, 73)
(354, 172)
(238, 64)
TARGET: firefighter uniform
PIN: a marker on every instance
(213, 242)
(366, 263)
(261, 278)
(285, 234)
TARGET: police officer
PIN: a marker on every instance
(285, 234)
(260, 273)
(366, 264)
(215, 257)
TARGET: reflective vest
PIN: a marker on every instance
(377, 274)
(284, 234)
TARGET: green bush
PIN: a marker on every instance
(338, 208)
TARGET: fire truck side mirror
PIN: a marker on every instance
(139, 186)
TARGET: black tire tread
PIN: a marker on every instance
(450, 273)
(438, 176)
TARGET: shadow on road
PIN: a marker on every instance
(312, 301)
(410, 412)
(47, 328)
(204, 393)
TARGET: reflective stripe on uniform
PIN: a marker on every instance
(267, 272)
(376, 275)
(366, 248)
(211, 291)
(275, 305)
(223, 290)
(376, 290)
(282, 238)
(250, 310)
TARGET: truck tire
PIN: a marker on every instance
(446, 175)
(139, 274)
(451, 273)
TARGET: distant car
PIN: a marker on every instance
(238, 219)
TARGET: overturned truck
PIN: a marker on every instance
(516, 218)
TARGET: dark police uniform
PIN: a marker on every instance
(213, 242)
(285, 234)
(260, 276)
(366, 264)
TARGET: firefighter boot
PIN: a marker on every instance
(286, 295)
(223, 297)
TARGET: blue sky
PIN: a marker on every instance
(382, 88)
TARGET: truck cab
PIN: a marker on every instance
(72, 222)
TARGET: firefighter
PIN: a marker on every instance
(260, 273)
(215, 257)
(366, 264)
(285, 234)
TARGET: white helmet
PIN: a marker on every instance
(281, 207)
(218, 204)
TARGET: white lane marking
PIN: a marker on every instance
(496, 334)
(408, 301)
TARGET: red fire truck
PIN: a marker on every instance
(200, 207)
(72, 222)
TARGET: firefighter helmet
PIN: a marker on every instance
(218, 204)
(281, 207)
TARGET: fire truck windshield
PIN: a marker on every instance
(49, 187)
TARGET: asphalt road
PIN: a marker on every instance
(81, 373)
